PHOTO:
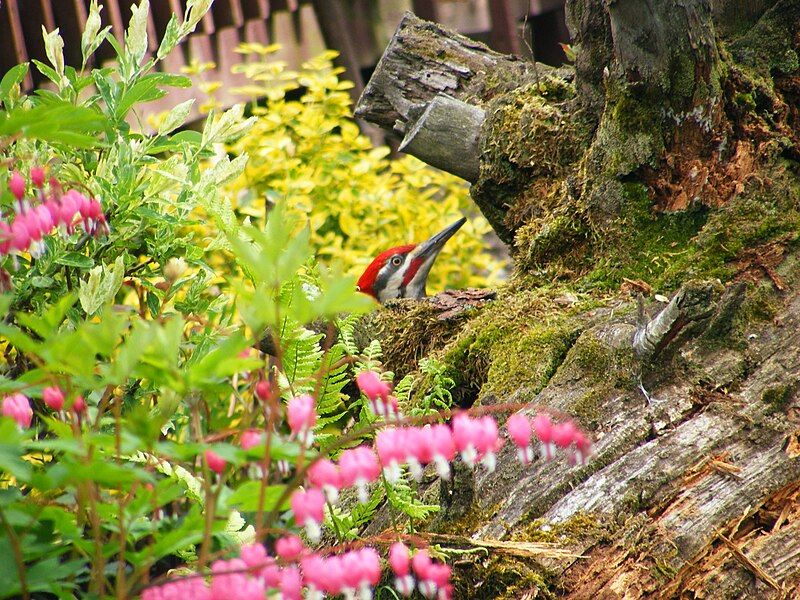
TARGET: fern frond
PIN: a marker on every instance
(405, 499)
(349, 522)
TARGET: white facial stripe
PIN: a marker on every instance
(393, 276)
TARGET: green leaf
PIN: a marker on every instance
(154, 304)
(48, 575)
(103, 471)
(54, 48)
(11, 451)
(73, 259)
(14, 77)
(195, 10)
(144, 90)
(101, 286)
(92, 36)
(136, 37)
(176, 117)
(172, 35)
(246, 497)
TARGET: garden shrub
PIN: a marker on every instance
(146, 448)
(305, 150)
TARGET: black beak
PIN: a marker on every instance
(434, 244)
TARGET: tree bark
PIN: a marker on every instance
(424, 59)
(446, 136)
(664, 162)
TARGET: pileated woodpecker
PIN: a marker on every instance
(402, 272)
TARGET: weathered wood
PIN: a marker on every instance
(446, 135)
(424, 59)
(691, 303)
(659, 459)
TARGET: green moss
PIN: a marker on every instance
(528, 360)
(767, 45)
(503, 578)
(579, 527)
(745, 101)
(761, 304)
(780, 396)
(517, 342)
(682, 76)
(654, 247)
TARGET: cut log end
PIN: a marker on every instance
(446, 136)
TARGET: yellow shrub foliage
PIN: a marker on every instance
(306, 150)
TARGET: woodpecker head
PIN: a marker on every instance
(402, 272)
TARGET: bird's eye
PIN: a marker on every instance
(358, 288)
(397, 261)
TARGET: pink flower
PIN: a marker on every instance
(488, 441)
(390, 445)
(270, 573)
(302, 417)
(53, 397)
(262, 389)
(444, 449)
(5, 238)
(289, 548)
(370, 570)
(18, 407)
(361, 571)
(370, 383)
(359, 466)
(519, 429)
(543, 428)
(45, 218)
(20, 237)
(377, 392)
(193, 587)
(421, 563)
(253, 555)
(16, 184)
(564, 434)
(291, 584)
(238, 585)
(324, 474)
(418, 449)
(433, 577)
(37, 176)
(313, 568)
(214, 461)
(251, 438)
(583, 448)
(400, 562)
(466, 432)
(309, 510)
(79, 405)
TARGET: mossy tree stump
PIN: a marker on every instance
(669, 152)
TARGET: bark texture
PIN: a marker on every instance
(665, 166)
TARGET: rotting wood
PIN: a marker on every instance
(535, 550)
(446, 135)
(424, 59)
(691, 303)
(749, 564)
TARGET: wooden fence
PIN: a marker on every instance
(358, 29)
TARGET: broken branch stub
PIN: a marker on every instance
(424, 59)
(693, 303)
(446, 135)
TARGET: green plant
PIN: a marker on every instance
(357, 202)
